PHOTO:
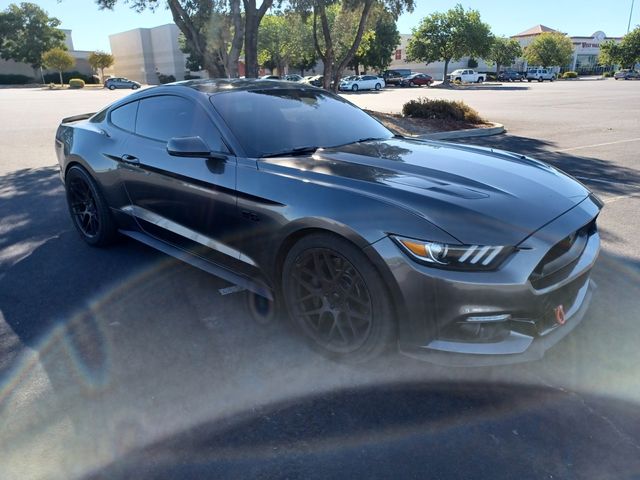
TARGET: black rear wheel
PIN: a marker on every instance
(337, 299)
(89, 211)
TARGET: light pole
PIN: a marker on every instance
(630, 15)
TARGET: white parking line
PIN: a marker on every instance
(598, 145)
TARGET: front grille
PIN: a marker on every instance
(561, 258)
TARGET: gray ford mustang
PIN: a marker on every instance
(456, 254)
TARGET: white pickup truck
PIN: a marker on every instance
(467, 76)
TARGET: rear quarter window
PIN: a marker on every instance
(124, 117)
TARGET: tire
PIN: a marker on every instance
(134, 87)
(540, 79)
(529, 80)
(336, 299)
(111, 87)
(354, 88)
(458, 79)
(378, 87)
(88, 209)
(480, 80)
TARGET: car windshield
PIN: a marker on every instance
(297, 118)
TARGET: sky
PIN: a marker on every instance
(91, 27)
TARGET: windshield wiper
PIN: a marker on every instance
(292, 152)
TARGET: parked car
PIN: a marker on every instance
(626, 74)
(269, 77)
(467, 76)
(120, 82)
(362, 82)
(293, 77)
(476, 255)
(396, 77)
(510, 76)
(417, 80)
(540, 74)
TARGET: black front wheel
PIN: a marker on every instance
(336, 298)
(89, 211)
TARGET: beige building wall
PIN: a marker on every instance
(141, 54)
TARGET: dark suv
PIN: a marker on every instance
(396, 77)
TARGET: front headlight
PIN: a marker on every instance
(458, 257)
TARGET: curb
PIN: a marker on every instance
(494, 129)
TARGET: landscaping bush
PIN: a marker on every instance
(570, 74)
(607, 74)
(162, 78)
(11, 79)
(441, 110)
(192, 77)
(76, 83)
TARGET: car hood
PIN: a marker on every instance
(475, 194)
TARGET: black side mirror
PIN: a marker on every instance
(190, 147)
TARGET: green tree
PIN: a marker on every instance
(378, 44)
(100, 60)
(448, 36)
(213, 30)
(26, 32)
(611, 54)
(549, 49)
(504, 51)
(58, 59)
(338, 29)
(630, 48)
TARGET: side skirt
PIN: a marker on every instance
(240, 280)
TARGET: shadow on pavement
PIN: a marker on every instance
(450, 430)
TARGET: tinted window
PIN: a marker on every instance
(272, 121)
(125, 116)
(168, 116)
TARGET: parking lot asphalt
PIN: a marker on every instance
(103, 352)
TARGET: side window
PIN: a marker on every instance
(167, 116)
(124, 117)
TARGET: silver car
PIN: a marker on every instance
(121, 82)
(626, 75)
(540, 74)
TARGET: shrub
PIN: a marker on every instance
(162, 78)
(607, 74)
(188, 76)
(570, 74)
(11, 79)
(76, 83)
(441, 110)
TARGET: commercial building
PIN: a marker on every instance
(584, 60)
(143, 54)
(585, 49)
(19, 68)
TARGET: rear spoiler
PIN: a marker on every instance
(77, 118)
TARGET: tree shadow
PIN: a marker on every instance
(601, 175)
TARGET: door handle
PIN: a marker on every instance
(130, 159)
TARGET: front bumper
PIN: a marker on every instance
(498, 317)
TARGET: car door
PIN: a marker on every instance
(186, 201)
(369, 82)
